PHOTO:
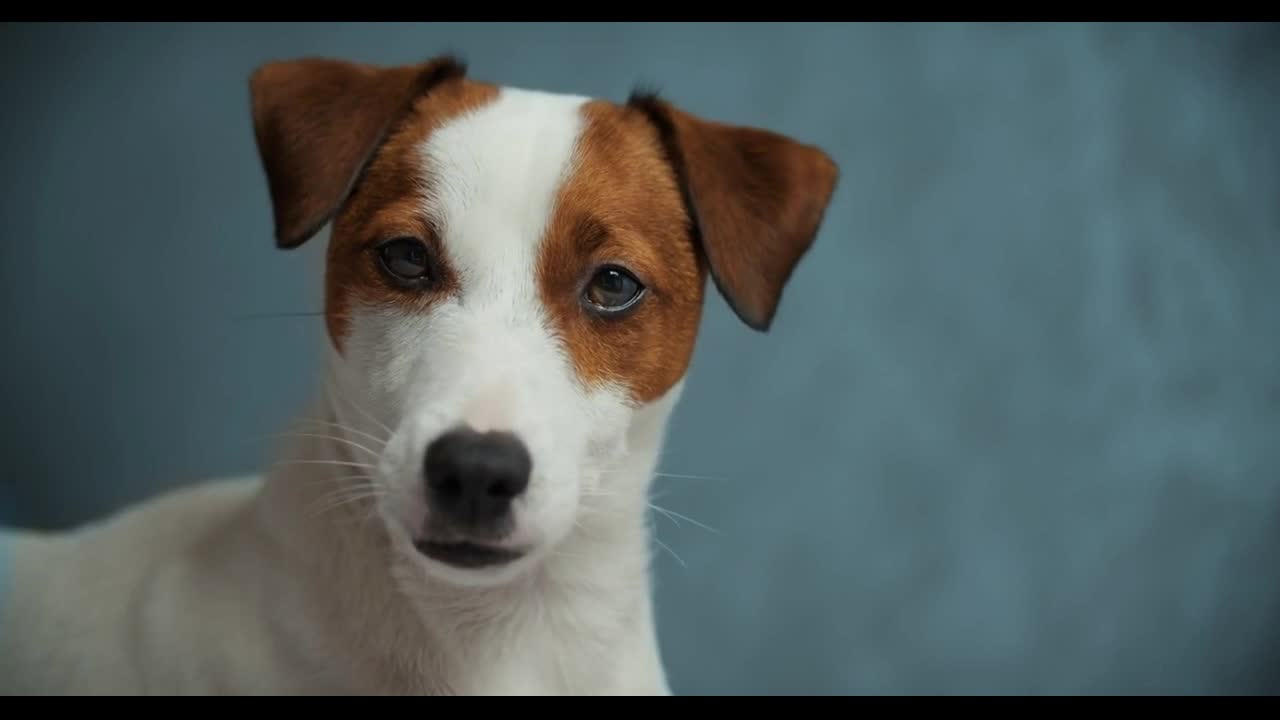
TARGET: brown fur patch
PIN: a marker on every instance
(622, 206)
(337, 142)
(318, 121)
(388, 203)
(756, 198)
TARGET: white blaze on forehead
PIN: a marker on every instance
(494, 175)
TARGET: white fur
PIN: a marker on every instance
(307, 581)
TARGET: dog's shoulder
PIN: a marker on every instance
(71, 600)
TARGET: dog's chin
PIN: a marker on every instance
(439, 551)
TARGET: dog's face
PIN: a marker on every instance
(515, 278)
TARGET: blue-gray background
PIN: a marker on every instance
(1015, 431)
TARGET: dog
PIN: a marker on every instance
(514, 282)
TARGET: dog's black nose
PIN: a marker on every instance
(472, 477)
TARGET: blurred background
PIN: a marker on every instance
(1016, 428)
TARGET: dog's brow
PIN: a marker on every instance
(589, 233)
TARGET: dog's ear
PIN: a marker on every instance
(757, 199)
(317, 123)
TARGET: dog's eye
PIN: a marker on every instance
(404, 258)
(612, 289)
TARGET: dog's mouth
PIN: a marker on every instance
(468, 555)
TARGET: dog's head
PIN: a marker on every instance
(515, 278)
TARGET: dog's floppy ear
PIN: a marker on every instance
(317, 123)
(757, 199)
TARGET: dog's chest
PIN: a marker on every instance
(583, 645)
(544, 656)
(535, 669)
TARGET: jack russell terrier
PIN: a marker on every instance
(513, 287)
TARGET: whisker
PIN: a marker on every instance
(343, 496)
(668, 515)
(345, 398)
(344, 463)
(673, 552)
(674, 476)
(672, 514)
(686, 477)
(340, 426)
(329, 437)
(316, 509)
(317, 512)
(371, 483)
(349, 489)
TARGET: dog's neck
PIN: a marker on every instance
(561, 627)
